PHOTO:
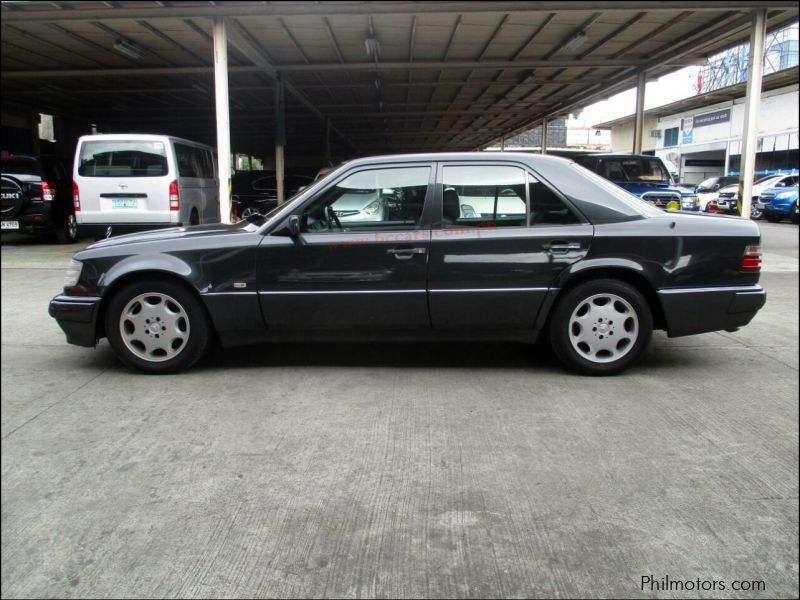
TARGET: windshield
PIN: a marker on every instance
(633, 169)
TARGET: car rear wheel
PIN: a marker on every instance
(67, 230)
(601, 327)
(157, 327)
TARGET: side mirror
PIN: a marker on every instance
(289, 228)
(294, 226)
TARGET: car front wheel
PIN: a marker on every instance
(601, 327)
(157, 327)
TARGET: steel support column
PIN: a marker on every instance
(638, 124)
(752, 103)
(544, 136)
(280, 137)
(503, 144)
(328, 161)
(223, 118)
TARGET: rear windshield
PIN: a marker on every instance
(632, 169)
(123, 159)
(20, 166)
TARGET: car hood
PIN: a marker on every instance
(174, 233)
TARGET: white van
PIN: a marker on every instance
(131, 182)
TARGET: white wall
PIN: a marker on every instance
(778, 113)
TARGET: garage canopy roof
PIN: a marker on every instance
(445, 76)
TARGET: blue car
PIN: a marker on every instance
(644, 176)
(779, 203)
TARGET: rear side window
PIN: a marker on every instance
(547, 208)
(122, 159)
(192, 162)
(484, 196)
(17, 165)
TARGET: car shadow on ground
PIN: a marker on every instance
(472, 355)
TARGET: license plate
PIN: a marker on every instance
(123, 203)
(9, 225)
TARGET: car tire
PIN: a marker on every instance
(157, 326)
(601, 327)
(794, 214)
(67, 230)
(773, 218)
(194, 217)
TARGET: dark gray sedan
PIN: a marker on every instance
(464, 246)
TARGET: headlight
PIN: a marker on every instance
(371, 208)
(784, 195)
(73, 273)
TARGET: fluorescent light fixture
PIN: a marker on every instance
(575, 42)
(129, 49)
(372, 46)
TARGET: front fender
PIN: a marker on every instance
(165, 263)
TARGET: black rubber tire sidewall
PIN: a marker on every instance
(63, 232)
(200, 328)
(559, 326)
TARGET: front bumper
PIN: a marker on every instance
(701, 310)
(77, 317)
(778, 209)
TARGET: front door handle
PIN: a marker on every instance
(563, 246)
(405, 253)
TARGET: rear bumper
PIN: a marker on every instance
(701, 310)
(108, 229)
(77, 317)
(35, 218)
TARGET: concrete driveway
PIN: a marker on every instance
(410, 470)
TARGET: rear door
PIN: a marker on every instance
(123, 181)
(503, 239)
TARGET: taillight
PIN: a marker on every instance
(174, 198)
(76, 197)
(48, 191)
(751, 261)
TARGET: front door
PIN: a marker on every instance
(503, 240)
(359, 264)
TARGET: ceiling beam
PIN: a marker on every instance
(280, 9)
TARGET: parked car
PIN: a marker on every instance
(728, 201)
(131, 182)
(37, 196)
(587, 265)
(779, 203)
(644, 176)
(708, 191)
(256, 192)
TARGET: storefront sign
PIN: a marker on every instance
(687, 126)
(712, 118)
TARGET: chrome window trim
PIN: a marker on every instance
(750, 289)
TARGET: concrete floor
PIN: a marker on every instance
(436, 470)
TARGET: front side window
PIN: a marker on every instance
(371, 199)
(122, 159)
(483, 196)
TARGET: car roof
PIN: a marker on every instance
(531, 159)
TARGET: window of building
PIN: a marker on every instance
(671, 136)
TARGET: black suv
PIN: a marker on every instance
(37, 196)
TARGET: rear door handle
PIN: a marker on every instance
(563, 246)
(405, 253)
